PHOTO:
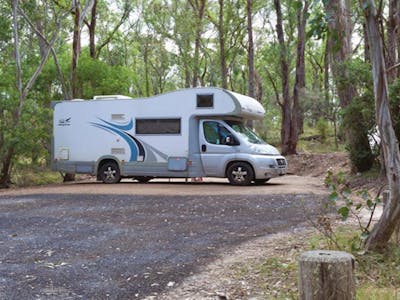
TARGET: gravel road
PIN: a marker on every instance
(127, 241)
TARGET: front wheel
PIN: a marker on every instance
(240, 173)
(109, 172)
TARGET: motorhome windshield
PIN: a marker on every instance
(245, 132)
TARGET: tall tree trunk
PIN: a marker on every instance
(250, 54)
(146, 67)
(5, 179)
(391, 42)
(326, 77)
(250, 51)
(339, 44)
(390, 218)
(76, 49)
(285, 104)
(397, 37)
(259, 87)
(221, 40)
(367, 57)
(92, 30)
(39, 34)
(79, 17)
(300, 80)
(198, 7)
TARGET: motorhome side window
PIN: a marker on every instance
(158, 126)
(204, 101)
(216, 133)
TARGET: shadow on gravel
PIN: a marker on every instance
(65, 246)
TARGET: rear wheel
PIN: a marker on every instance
(240, 173)
(109, 172)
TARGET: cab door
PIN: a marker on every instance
(217, 145)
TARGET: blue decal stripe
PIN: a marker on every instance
(128, 126)
(139, 145)
(125, 136)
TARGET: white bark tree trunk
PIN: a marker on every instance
(390, 219)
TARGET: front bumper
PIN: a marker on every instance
(269, 166)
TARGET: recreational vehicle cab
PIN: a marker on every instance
(197, 132)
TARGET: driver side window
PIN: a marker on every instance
(215, 133)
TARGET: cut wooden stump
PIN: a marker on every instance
(326, 275)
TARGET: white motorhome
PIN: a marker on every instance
(197, 132)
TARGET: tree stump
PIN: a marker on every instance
(326, 275)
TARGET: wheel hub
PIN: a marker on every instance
(109, 173)
(239, 174)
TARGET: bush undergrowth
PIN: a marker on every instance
(31, 176)
(377, 275)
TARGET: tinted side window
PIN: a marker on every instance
(205, 100)
(211, 132)
(216, 133)
(158, 126)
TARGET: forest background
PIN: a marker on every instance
(306, 61)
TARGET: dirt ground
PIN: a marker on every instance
(222, 279)
(316, 165)
(218, 279)
(309, 169)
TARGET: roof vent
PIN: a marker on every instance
(108, 97)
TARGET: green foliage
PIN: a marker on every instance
(270, 132)
(5, 24)
(99, 78)
(317, 25)
(347, 203)
(359, 116)
(26, 174)
(379, 274)
(322, 128)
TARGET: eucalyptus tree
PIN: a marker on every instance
(290, 106)
(300, 77)
(250, 47)
(104, 23)
(390, 218)
(16, 97)
(228, 17)
(340, 53)
(80, 13)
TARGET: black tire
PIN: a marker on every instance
(143, 179)
(240, 173)
(109, 172)
(260, 181)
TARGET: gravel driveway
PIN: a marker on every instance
(128, 241)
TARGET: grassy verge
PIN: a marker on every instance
(30, 176)
(275, 277)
